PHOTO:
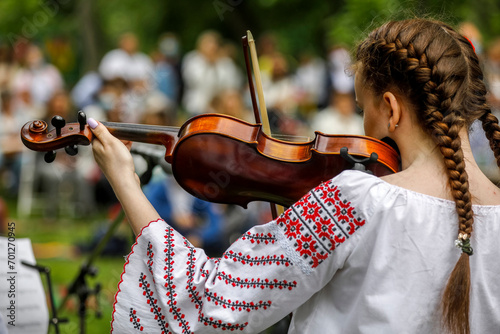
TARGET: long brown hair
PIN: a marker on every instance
(439, 73)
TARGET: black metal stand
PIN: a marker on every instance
(79, 286)
(54, 320)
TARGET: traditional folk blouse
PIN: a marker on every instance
(355, 255)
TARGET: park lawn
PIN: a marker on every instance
(64, 245)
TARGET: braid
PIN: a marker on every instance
(449, 143)
(438, 71)
(492, 130)
(456, 296)
(445, 131)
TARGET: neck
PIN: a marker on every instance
(424, 170)
(423, 166)
(420, 149)
(416, 149)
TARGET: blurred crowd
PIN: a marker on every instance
(303, 94)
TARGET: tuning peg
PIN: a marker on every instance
(58, 122)
(71, 149)
(82, 119)
(49, 156)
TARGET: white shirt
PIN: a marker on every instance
(355, 255)
(118, 63)
(41, 81)
(204, 80)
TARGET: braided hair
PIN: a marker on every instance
(439, 72)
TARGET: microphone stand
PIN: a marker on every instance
(79, 286)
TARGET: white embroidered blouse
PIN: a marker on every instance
(355, 255)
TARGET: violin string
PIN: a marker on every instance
(140, 126)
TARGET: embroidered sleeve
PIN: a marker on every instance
(169, 286)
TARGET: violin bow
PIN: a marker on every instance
(261, 117)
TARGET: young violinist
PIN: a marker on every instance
(413, 252)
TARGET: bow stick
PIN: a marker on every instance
(263, 116)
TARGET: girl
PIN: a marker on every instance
(357, 254)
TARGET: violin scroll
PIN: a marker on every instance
(37, 136)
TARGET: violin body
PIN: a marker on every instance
(223, 159)
(241, 164)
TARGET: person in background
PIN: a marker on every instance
(267, 47)
(41, 79)
(230, 102)
(8, 67)
(280, 87)
(127, 62)
(167, 70)
(136, 68)
(207, 71)
(109, 101)
(311, 79)
(338, 62)
(340, 117)
(11, 147)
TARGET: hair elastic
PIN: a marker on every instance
(473, 48)
(463, 242)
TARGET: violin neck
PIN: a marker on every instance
(143, 133)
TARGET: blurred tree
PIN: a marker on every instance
(93, 26)
(90, 30)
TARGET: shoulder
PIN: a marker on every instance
(351, 192)
(328, 216)
(355, 184)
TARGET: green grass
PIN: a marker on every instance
(63, 273)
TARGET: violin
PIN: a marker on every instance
(223, 159)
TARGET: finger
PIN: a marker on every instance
(99, 130)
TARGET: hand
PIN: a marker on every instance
(115, 160)
(112, 155)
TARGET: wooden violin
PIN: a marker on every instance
(223, 159)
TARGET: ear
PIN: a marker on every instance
(393, 108)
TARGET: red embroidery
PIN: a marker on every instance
(324, 230)
(135, 320)
(293, 228)
(259, 237)
(150, 254)
(310, 211)
(209, 321)
(169, 278)
(247, 259)
(153, 303)
(306, 245)
(194, 294)
(319, 222)
(255, 282)
(236, 305)
(328, 194)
